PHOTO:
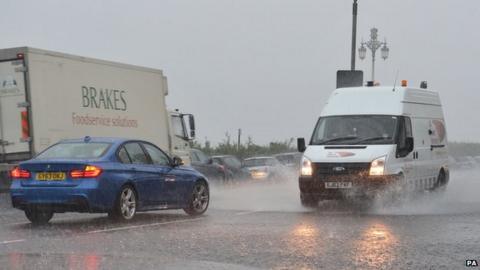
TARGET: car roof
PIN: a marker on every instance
(97, 140)
(287, 154)
(266, 157)
(223, 156)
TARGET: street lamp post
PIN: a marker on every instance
(373, 44)
(354, 34)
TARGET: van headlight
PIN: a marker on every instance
(306, 167)
(377, 167)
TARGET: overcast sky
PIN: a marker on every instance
(266, 66)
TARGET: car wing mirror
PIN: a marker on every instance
(177, 161)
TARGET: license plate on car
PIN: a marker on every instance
(338, 184)
(50, 176)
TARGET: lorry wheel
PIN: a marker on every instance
(38, 217)
(125, 206)
(199, 199)
(309, 200)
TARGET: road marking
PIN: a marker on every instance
(12, 241)
(246, 213)
(143, 225)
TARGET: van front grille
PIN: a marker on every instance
(329, 169)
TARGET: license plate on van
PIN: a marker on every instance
(50, 176)
(338, 184)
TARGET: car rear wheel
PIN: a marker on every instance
(38, 216)
(125, 206)
(199, 199)
(309, 200)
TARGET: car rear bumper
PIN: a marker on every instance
(362, 186)
(60, 199)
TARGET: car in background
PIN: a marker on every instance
(264, 168)
(233, 167)
(291, 160)
(204, 164)
(105, 175)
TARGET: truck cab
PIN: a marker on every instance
(370, 138)
(182, 131)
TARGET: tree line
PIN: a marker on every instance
(460, 149)
(250, 148)
(246, 149)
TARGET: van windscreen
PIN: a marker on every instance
(355, 129)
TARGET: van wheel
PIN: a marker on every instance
(441, 183)
(125, 206)
(38, 217)
(309, 200)
(199, 199)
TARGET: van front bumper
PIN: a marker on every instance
(359, 186)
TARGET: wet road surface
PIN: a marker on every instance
(257, 226)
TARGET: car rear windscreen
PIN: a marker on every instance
(80, 150)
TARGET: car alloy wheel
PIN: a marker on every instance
(125, 205)
(199, 200)
(128, 203)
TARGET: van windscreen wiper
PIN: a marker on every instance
(373, 139)
(337, 139)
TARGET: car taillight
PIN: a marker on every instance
(18, 173)
(87, 172)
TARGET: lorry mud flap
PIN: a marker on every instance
(5, 179)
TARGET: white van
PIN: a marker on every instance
(370, 137)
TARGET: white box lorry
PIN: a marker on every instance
(368, 138)
(47, 96)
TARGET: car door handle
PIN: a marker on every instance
(133, 168)
(170, 178)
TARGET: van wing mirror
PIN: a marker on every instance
(301, 147)
(409, 144)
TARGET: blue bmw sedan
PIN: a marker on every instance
(106, 175)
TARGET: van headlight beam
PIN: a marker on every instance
(377, 167)
(306, 169)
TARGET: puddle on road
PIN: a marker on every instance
(460, 197)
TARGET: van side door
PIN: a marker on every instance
(423, 159)
(438, 146)
(404, 157)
